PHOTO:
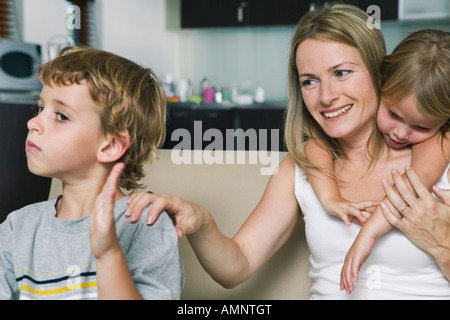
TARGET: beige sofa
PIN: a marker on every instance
(230, 192)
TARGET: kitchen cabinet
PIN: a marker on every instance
(195, 120)
(232, 13)
(267, 120)
(283, 12)
(18, 186)
(216, 13)
(388, 8)
(203, 126)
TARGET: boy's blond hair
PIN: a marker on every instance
(130, 99)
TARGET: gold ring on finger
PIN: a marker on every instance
(403, 209)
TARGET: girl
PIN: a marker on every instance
(414, 112)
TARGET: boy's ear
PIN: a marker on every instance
(114, 147)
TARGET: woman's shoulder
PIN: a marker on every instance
(287, 168)
(280, 190)
(287, 162)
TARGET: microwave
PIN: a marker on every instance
(18, 64)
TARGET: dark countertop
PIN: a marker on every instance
(213, 106)
(18, 97)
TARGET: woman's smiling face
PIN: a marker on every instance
(337, 88)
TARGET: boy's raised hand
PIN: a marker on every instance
(102, 233)
(114, 280)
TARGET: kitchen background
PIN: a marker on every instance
(250, 62)
(150, 33)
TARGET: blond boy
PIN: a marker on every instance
(99, 116)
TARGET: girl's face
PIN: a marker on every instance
(337, 88)
(402, 124)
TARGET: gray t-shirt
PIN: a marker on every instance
(44, 257)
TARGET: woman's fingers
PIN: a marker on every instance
(395, 201)
(137, 203)
(444, 195)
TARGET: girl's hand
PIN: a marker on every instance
(350, 211)
(355, 258)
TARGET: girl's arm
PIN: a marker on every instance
(426, 222)
(429, 160)
(326, 188)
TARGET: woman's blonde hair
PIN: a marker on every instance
(348, 25)
(130, 99)
(420, 66)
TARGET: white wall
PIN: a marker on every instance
(42, 20)
(135, 29)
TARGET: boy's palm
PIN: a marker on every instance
(103, 237)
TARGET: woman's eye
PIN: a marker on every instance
(308, 83)
(342, 73)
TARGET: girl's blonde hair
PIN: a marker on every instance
(130, 99)
(420, 66)
(348, 25)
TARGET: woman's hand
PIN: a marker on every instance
(423, 219)
(189, 217)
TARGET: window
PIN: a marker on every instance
(80, 22)
(9, 20)
(4, 19)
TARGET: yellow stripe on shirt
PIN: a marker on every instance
(55, 291)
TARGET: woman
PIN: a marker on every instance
(334, 76)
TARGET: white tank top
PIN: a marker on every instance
(396, 268)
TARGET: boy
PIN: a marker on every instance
(96, 111)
